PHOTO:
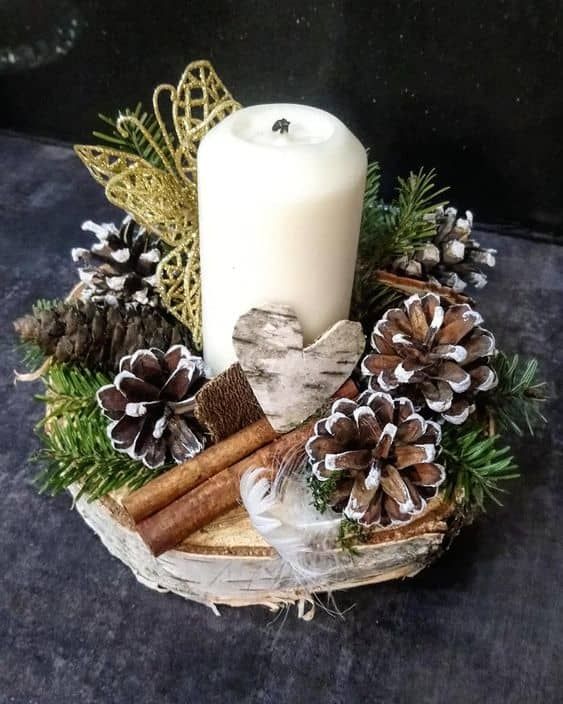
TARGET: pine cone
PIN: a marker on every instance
(452, 258)
(151, 404)
(382, 454)
(120, 267)
(97, 337)
(433, 353)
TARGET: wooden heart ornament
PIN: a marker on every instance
(289, 381)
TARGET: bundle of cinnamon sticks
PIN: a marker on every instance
(181, 501)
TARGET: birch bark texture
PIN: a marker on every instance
(291, 381)
(229, 563)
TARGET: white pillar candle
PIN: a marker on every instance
(279, 219)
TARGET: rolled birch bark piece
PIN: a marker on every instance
(164, 490)
(168, 527)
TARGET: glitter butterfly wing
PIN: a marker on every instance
(164, 199)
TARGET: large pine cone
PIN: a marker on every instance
(453, 258)
(151, 404)
(120, 267)
(435, 354)
(98, 337)
(382, 454)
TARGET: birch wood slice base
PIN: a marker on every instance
(229, 563)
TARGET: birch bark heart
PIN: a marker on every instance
(289, 381)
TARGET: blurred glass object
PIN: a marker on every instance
(36, 32)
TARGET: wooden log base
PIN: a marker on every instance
(228, 563)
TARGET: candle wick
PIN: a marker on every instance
(281, 126)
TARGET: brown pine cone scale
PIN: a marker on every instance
(382, 454)
(151, 404)
(98, 337)
(120, 267)
(434, 353)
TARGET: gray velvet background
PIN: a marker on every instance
(482, 625)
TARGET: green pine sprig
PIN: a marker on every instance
(30, 354)
(516, 402)
(134, 141)
(391, 230)
(75, 445)
(76, 449)
(42, 304)
(71, 390)
(372, 195)
(476, 465)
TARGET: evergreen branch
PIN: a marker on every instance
(45, 304)
(373, 185)
(515, 403)
(475, 465)
(31, 355)
(371, 299)
(391, 230)
(77, 449)
(134, 141)
(71, 390)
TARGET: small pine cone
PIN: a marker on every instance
(434, 353)
(151, 404)
(97, 337)
(452, 259)
(120, 267)
(461, 257)
(382, 454)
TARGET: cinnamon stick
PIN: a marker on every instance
(409, 285)
(163, 490)
(171, 485)
(168, 527)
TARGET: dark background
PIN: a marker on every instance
(473, 88)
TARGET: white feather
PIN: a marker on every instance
(282, 512)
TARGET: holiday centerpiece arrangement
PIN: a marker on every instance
(268, 382)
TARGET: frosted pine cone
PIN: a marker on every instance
(382, 454)
(151, 404)
(435, 354)
(452, 258)
(120, 267)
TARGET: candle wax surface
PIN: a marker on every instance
(279, 220)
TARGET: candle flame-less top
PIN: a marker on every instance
(309, 155)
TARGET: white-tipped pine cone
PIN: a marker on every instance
(120, 267)
(382, 455)
(452, 258)
(434, 353)
(151, 406)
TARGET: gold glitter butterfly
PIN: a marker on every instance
(164, 198)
